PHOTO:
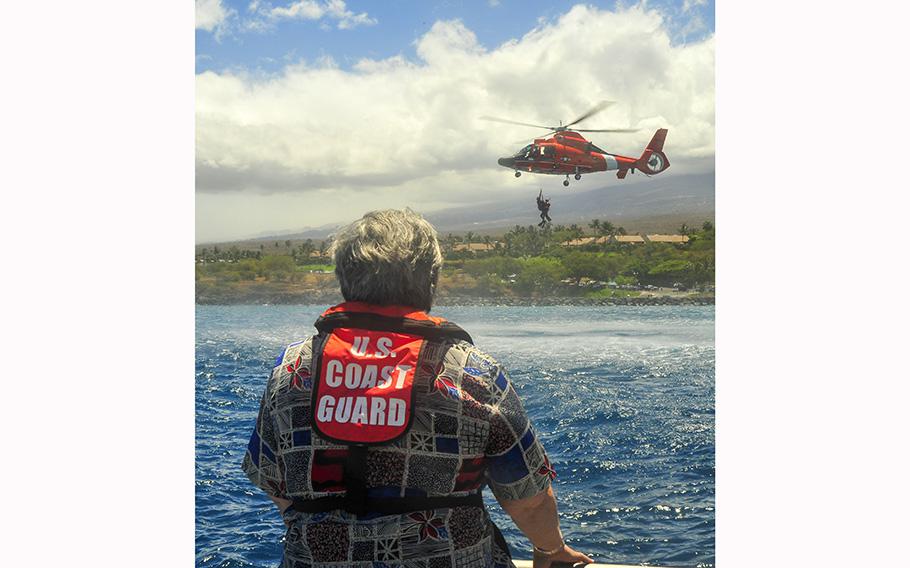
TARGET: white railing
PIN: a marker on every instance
(528, 564)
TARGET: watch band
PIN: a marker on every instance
(559, 548)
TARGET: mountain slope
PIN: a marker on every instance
(659, 203)
(658, 197)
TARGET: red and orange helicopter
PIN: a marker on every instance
(568, 152)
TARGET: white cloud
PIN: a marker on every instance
(303, 9)
(689, 4)
(212, 16)
(313, 10)
(400, 129)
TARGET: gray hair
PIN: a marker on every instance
(388, 257)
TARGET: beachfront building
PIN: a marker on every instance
(623, 240)
(671, 239)
(628, 239)
(474, 247)
(579, 242)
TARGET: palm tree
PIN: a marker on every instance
(595, 224)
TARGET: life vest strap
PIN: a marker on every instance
(355, 479)
(375, 322)
(388, 505)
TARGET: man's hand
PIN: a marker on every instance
(536, 517)
(567, 555)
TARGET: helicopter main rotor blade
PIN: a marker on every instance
(608, 130)
(594, 110)
(507, 121)
(524, 141)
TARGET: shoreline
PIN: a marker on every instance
(301, 300)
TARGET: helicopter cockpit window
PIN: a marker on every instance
(525, 152)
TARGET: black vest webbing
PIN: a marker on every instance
(376, 322)
(355, 500)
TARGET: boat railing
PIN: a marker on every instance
(529, 564)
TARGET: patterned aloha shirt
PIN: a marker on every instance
(469, 429)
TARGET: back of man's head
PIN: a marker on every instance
(388, 257)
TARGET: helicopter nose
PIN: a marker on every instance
(506, 162)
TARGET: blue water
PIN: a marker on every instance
(622, 397)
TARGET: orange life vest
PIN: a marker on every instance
(365, 358)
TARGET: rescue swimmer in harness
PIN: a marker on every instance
(543, 205)
(390, 412)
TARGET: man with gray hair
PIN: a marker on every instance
(376, 436)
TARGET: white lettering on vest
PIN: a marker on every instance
(324, 410)
(352, 374)
(359, 414)
(343, 410)
(361, 410)
(396, 412)
(402, 372)
(369, 376)
(357, 376)
(359, 346)
(383, 344)
(333, 373)
(386, 374)
(377, 411)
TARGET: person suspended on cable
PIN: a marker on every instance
(543, 205)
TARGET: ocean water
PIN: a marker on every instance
(621, 396)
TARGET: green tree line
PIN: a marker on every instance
(524, 261)
(529, 259)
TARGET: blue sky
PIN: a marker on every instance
(254, 41)
(312, 112)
